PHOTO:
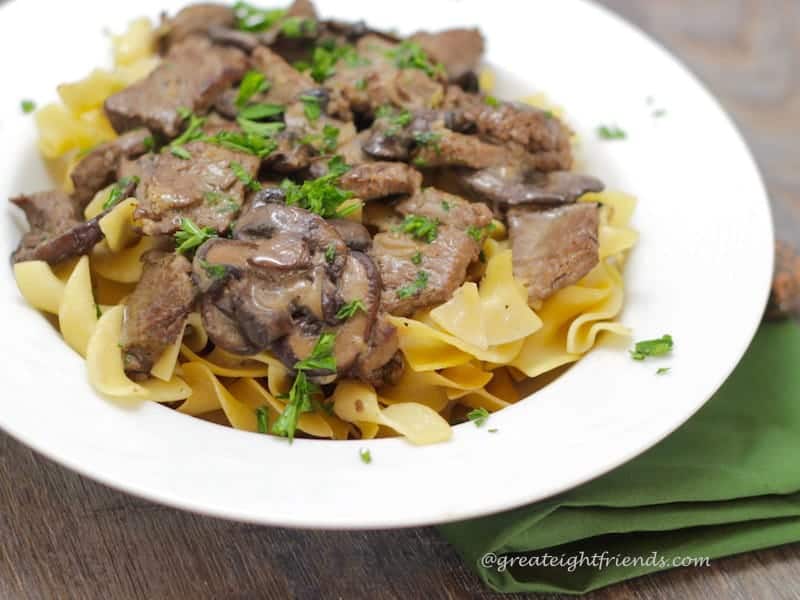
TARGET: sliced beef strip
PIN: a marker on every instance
(56, 233)
(514, 185)
(382, 362)
(192, 75)
(445, 261)
(453, 149)
(203, 188)
(99, 167)
(459, 50)
(381, 179)
(286, 82)
(195, 19)
(156, 309)
(553, 248)
(447, 209)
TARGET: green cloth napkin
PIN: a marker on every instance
(727, 482)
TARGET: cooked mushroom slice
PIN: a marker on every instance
(354, 234)
(381, 363)
(155, 311)
(56, 233)
(514, 185)
(99, 167)
(553, 248)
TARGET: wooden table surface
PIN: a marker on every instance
(63, 536)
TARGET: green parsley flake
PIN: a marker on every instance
(262, 110)
(659, 113)
(264, 130)
(311, 107)
(27, 106)
(410, 55)
(116, 192)
(252, 83)
(149, 143)
(491, 101)
(416, 258)
(212, 270)
(321, 357)
(419, 227)
(446, 206)
(479, 416)
(366, 455)
(254, 19)
(243, 176)
(193, 131)
(190, 236)
(657, 347)
(249, 143)
(429, 138)
(414, 288)
(322, 195)
(327, 55)
(361, 84)
(180, 152)
(611, 132)
(262, 418)
(349, 309)
(663, 371)
(493, 430)
(297, 27)
(479, 233)
(330, 253)
(299, 401)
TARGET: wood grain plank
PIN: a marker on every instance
(63, 536)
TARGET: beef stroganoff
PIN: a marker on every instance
(307, 227)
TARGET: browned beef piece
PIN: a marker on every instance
(442, 267)
(203, 188)
(509, 185)
(382, 362)
(459, 50)
(447, 209)
(55, 232)
(377, 82)
(156, 310)
(381, 179)
(286, 82)
(452, 149)
(98, 168)
(784, 299)
(192, 75)
(553, 248)
(195, 19)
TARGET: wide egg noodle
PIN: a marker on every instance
(39, 285)
(124, 266)
(107, 372)
(77, 312)
(117, 225)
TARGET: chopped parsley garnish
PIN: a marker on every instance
(548, 114)
(296, 27)
(330, 253)
(659, 113)
(255, 128)
(662, 371)
(478, 233)
(396, 121)
(491, 101)
(299, 400)
(243, 176)
(611, 132)
(429, 138)
(252, 18)
(420, 162)
(328, 140)
(213, 271)
(311, 107)
(252, 83)
(414, 288)
(249, 143)
(446, 206)
(190, 236)
(410, 55)
(225, 202)
(193, 131)
(27, 106)
(479, 416)
(492, 430)
(657, 347)
(262, 418)
(321, 357)
(366, 455)
(116, 192)
(263, 110)
(349, 309)
(325, 57)
(416, 258)
(97, 311)
(361, 84)
(419, 227)
(149, 143)
(322, 195)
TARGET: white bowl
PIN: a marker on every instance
(701, 272)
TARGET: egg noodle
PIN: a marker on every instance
(467, 353)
